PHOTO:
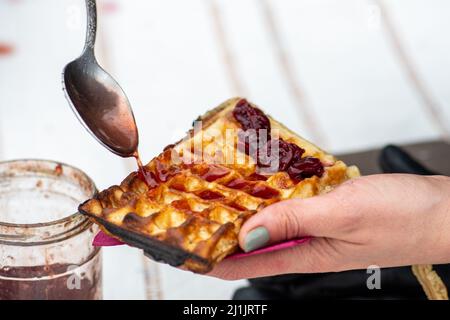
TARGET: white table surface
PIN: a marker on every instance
(347, 74)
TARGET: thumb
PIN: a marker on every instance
(290, 219)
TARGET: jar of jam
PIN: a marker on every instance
(46, 247)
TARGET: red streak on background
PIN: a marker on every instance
(109, 6)
(6, 49)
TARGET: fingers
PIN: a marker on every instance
(318, 255)
(328, 218)
(380, 219)
(318, 217)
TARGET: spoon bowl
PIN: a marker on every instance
(97, 99)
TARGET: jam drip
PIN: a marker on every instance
(145, 175)
(211, 173)
(210, 195)
(289, 155)
(148, 177)
(253, 188)
(162, 172)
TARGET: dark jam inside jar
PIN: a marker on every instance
(46, 247)
(49, 282)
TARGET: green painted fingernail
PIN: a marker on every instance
(256, 239)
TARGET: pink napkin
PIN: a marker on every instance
(274, 247)
(103, 240)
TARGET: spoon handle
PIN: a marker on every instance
(91, 29)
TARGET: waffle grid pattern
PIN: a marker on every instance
(199, 208)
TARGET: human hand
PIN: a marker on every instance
(385, 220)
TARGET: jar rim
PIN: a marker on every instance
(77, 222)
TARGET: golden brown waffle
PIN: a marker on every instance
(190, 208)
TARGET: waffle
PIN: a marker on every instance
(187, 205)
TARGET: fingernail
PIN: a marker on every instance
(255, 239)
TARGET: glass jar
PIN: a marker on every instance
(46, 249)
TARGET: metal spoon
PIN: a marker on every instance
(97, 99)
